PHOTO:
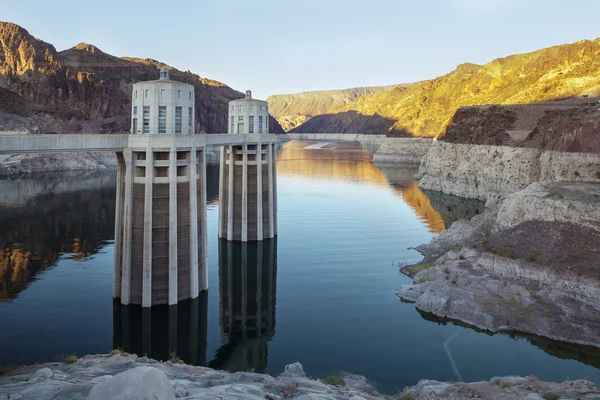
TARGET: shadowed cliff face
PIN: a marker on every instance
(570, 125)
(83, 89)
(424, 109)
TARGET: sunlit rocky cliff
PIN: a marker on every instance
(83, 89)
(424, 109)
(292, 110)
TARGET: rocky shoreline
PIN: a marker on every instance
(122, 376)
(527, 264)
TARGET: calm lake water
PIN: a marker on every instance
(322, 293)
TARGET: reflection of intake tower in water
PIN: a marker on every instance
(161, 331)
(247, 280)
(248, 196)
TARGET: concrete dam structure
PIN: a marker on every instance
(160, 223)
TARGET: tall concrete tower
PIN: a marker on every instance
(160, 223)
(247, 191)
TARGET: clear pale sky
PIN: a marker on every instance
(283, 46)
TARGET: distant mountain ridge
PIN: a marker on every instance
(292, 110)
(424, 109)
(83, 89)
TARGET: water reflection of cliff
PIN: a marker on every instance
(337, 161)
(247, 285)
(351, 162)
(161, 332)
(42, 217)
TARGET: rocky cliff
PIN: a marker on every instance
(83, 89)
(292, 110)
(490, 173)
(424, 109)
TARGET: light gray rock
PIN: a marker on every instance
(506, 388)
(140, 378)
(101, 379)
(574, 202)
(42, 373)
(490, 173)
(402, 151)
(138, 383)
(294, 370)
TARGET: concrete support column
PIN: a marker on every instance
(244, 193)
(118, 247)
(275, 207)
(193, 210)
(230, 194)
(271, 190)
(204, 262)
(259, 192)
(147, 257)
(127, 232)
(173, 292)
(222, 205)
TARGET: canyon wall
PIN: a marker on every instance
(491, 172)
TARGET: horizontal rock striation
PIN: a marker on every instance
(528, 264)
(29, 163)
(491, 172)
(400, 151)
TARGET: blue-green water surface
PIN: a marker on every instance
(322, 293)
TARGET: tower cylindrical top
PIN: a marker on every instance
(248, 94)
(164, 74)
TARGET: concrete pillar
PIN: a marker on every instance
(118, 247)
(193, 210)
(230, 194)
(147, 257)
(271, 190)
(222, 222)
(259, 193)
(244, 193)
(127, 216)
(275, 207)
(204, 265)
(173, 292)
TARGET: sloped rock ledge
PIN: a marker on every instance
(528, 264)
(127, 376)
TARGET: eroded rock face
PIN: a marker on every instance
(477, 171)
(577, 203)
(528, 265)
(490, 173)
(64, 90)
